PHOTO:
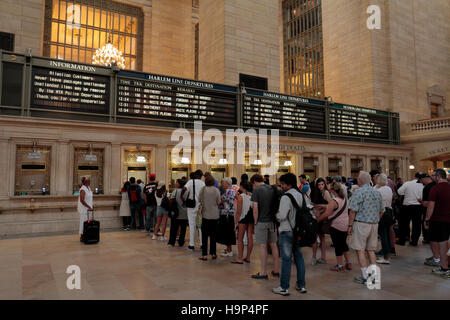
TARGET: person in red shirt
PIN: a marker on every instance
(438, 218)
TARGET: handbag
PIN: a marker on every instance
(326, 224)
(199, 217)
(387, 219)
(173, 212)
(190, 203)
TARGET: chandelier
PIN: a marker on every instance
(109, 55)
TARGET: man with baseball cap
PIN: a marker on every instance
(150, 201)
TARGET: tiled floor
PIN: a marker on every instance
(129, 265)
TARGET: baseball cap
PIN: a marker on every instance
(152, 176)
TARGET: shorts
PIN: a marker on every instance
(161, 212)
(265, 231)
(248, 219)
(364, 236)
(439, 231)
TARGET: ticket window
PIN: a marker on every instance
(284, 166)
(178, 173)
(394, 169)
(219, 173)
(333, 167)
(137, 165)
(375, 164)
(310, 167)
(32, 170)
(252, 168)
(89, 164)
(356, 167)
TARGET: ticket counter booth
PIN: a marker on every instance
(252, 168)
(375, 164)
(334, 167)
(394, 169)
(284, 165)
(32, 175)
(310, 167)
(178, 171)
(218, 167)
(137, 165)
(356, 167)
(89, 164)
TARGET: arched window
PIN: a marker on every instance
(74, 30)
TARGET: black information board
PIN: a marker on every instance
(277, 111)
(69, 91)
(160, 97)
(354, 121)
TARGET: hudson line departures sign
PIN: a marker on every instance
(68, 90)
(162, 97)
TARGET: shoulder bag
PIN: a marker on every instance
(326, 224)
(190, 203)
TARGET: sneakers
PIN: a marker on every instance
(440, 272)
(430, 258)
(446, 275)
(163, 238)
(154, 237)
(301, 290)
(432, 262)
(393, 253)
(227, 254)
(338, 268)
(147, 233)
(170, 245)
(360, 280)
(191, 248)
(321, 261)
(313, 261)
(383, 261)
(348, 266)
(280, 291)
(379, 253)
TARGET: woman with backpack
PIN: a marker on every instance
(162, 211)
(336, 213)
(320, 197)
(245, 222)
(180, 221)
(124, 211)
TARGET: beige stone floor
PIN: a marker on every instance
(129, 265)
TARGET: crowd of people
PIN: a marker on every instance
(355, 213)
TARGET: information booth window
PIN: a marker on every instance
(137, 165)
(32, 170)
(310, 165)
(89, 164)
(356, 167)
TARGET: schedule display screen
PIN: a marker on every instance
(70, 91)
(161, 97)
(271, 110)
(358, 122)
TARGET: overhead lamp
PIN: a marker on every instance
(35, 155)
(223, 162)
(257, 162)
(381, 164)
(316, 163)
(411, 167)
(360, 164)
(340, 164)
(90, 156)
(185, 160)
(288, 163)
(140, 159)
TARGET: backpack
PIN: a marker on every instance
(306, 227)
(134, 193)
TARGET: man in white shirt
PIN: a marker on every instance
(411, 210)
(192, 212)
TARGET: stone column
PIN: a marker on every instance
(5, 168)
(116, 168)
(324, 165)
(162, 162)
(347, 165)
(367, 163)
(298, 158)
(62, 165)
(107, 170)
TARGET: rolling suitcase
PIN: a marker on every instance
(91, 230)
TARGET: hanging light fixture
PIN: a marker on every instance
(140, 157)
(288, 163)
(185, 160)
(223, 162)
(90, 156)
(109, 55)
(257, 162)
(35, 154)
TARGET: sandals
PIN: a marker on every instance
(259, 276)
(275, 274)
(203, 259)
(246, 260)
(236, 262)
(338, 268)
(214, 257)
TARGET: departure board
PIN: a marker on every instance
(277, 111)
(354, 121)
(161, 97)
(70, 91)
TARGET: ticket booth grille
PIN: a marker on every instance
(137, 165)
(32, 176)
(394, 169)
(356, 167)
(310, 167)
(89, 164)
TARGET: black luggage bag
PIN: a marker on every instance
(91, 230)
